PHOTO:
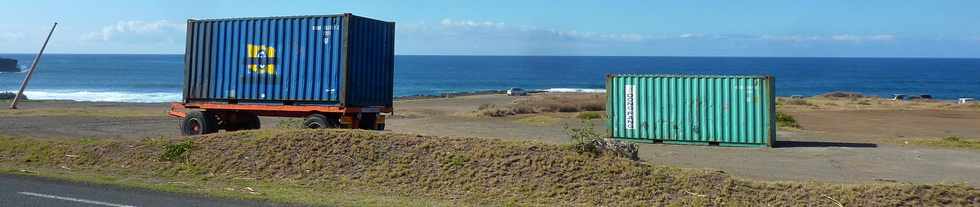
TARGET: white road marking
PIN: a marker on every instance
(73, 199)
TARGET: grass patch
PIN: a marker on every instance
(537, 120)
(356, 167)
(786, 120)
(797, 102)
(176, 151)
(290, 123)
(86, 112)
(589, 115)
(953, 142)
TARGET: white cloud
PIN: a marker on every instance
(11, 36)
(453, 26)
(863, 38)
(461, 36)
(457, 27)
(790, 38)
(471, 23)
(137, 29)
(831, 38)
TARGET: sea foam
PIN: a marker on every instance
(103, 96)
(575, 90)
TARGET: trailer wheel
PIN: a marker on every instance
(319, 121)
(198, 122)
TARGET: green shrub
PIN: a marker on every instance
(785, 120)
(176, 151)
(588, 115)
(583, 139)
(455, 160)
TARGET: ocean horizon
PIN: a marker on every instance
(158, 77)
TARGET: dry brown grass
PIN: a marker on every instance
(847, 103)
(469, 170)
(547, 103)
(951, 142)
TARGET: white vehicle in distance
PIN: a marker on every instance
(516, 92)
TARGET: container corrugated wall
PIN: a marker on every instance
(371, 62)
(290, 60)
(680, 109)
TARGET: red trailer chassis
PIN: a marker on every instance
(209, 117)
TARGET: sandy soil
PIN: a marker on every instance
(838, 144)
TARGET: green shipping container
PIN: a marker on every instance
(692, 109)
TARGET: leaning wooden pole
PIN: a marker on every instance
(37, 59)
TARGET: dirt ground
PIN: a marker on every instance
(837, 144)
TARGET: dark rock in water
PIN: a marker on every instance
(10, 95)
(8, 65)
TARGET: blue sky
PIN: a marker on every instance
(826, 28)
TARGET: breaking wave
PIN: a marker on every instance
(575, 90)
(103, 96)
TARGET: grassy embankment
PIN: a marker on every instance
(952, 142)
(343, 167)
(78, 109)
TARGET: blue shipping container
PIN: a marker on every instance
(343, 60)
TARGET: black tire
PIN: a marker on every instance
(315, 121)
(198, 122)
(367, 121)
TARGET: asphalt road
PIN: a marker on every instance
(16, 191)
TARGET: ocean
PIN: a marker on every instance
(157, 78)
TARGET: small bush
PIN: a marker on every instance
(800, 102)
(567, 108)
(495, 112)
(785, 120)
(583, 138)
(455, 160)
(522, 109)
(952, 139)
(486, 106)
(588, 115)
(176, 151)
(587, 140)
(593, 106)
